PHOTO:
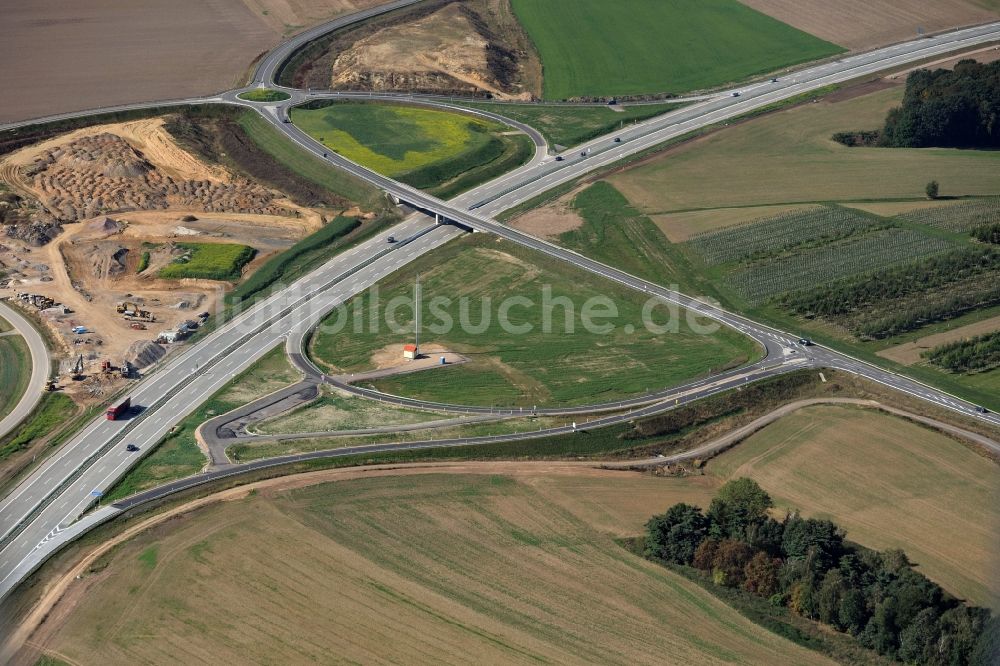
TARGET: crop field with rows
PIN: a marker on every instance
(818, 265)
(774, 235)
(964, 216)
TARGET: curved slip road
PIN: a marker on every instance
(41, 366)
(41, 514)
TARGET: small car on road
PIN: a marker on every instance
(131, 448)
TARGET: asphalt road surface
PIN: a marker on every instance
(40, 368)
(40, 515)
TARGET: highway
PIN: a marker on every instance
(40, 515)
(41, 366)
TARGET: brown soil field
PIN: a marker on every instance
(291, 16)
(121, 190)
(866, 24)
(552, 219)
(441, 46)
(890, 483)
(511, 562)
(64, 56)
(67, 56)
(909, 353)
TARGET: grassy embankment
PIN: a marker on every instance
(749, 236)
(15, 369)
(537, 367)
(592, 48)
(572, 125)
(442, 152)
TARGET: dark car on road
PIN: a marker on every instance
(132, 448)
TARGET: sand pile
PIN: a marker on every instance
(100, 174)
(142, 353)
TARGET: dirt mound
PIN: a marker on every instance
(439, 46)
(107, 225)
(102, 173)
(142, 353)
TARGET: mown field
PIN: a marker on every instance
(519, 366)
(789, 157)
(571, 125)
(890, 483)
(418, 569)
(178, 455)
(209, 261)
(429, 149)
(15, 370)
(597, 48)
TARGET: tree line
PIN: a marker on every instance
(956, 108)
(808, 566)
(976, 354)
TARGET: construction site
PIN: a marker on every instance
(100, 212)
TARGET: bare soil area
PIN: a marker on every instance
(909, 353)
(124, 196)
(866, 24)
(291, 16)
(552, 220)
(68, 56)
(442, 46)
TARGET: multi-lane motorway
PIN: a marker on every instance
(41, 514)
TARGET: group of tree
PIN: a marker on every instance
(976, 354)
(957, 108)
(807, 565)
(987, 233)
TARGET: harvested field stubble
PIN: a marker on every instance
(511, 569)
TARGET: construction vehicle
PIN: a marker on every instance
(77, 373)
(106, 367)
(117, 410)
(138, 315)
(138, 326)
(126, 306)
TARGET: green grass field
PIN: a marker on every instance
(788, 157)
(599, 48)
(434, 568)
(15, 371)
(264, 95)
(422, 147)
(209, 261)
(308, 166)
(890, 483)
(537, 367)
(572, 125)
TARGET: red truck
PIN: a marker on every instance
(114, 412)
